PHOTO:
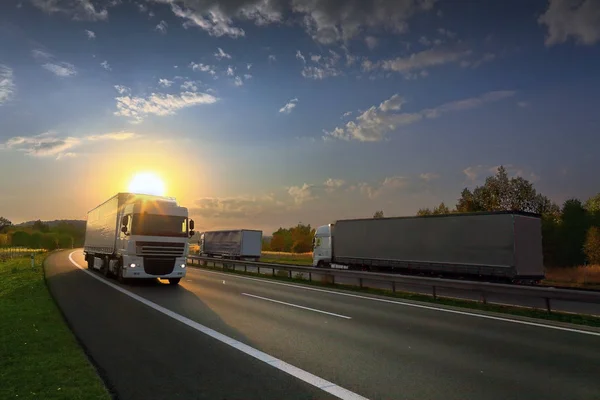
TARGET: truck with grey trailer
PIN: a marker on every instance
(491, 245)
(239, 244)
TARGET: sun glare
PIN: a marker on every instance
(147, 183)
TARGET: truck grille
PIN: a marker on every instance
(159, 266)
(160, 249)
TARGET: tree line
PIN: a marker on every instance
(297, 239)
(570, 233)
(40, 235)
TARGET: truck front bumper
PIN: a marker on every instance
(153, 267)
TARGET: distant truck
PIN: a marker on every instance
(138, 236)
(495, 246)
(236, 244)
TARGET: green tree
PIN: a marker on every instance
(282, 240)
(592, 206)
(302, 237)
(35, 240)
(20, 239)
(424, 211)
(40, 226)
(48, 241)
(467, 202)
(266, 245)
(4, 223)
(64, 241)
(591, 246)
(441, 209)
(378, 214)
(572, 232)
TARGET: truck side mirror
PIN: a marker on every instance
(192, 233)
(125, 220)
(124, 229)
(191, 225)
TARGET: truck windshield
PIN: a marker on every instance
(159, 225)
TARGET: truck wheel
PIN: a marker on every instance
(90, 262)
(104, 268)
(120, 277)
(174, 281)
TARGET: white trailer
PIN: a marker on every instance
(138, 236)
(237, 244)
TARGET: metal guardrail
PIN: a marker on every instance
(8, 253)
(484, 289)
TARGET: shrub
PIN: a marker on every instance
(592, 245)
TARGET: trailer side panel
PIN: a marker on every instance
(529, 258)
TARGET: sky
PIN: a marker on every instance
(266, 113)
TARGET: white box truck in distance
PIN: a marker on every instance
(238, 244)
(138, 236)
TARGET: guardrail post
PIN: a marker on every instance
(548, 304)
(333, 279)
(393, 287)
(245, 268)
(360, 280)
(483, 298)
(434, 293)
(310, 276)
(273, 271)
(290, 274)
(259, 269)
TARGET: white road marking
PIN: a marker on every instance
(296, 305)
(281, 365)
(401, 303)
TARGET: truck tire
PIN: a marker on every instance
(120, 277)
(104, 270)
(90, 262)
(174, 281)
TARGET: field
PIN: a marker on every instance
(40, 356)
(585, 276)
(286, 258)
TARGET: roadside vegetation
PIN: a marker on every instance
(40, 357)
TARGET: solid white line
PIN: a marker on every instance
(401, 303)
(281, 365)
(295, 305)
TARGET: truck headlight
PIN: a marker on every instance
(182, 265)
(132, 265)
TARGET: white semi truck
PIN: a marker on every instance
(494, 246)
(138, 236)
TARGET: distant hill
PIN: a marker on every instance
(75, 222)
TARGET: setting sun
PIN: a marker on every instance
(147, 183)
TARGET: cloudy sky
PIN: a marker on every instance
(266, 113)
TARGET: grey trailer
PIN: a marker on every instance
(236, 244)
(502, 245)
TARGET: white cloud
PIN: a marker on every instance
(346, 114)
(220, 54)
(41, 55)
(189, 86)
(216, 24)
(44, 145)
(375, 123)
(299, 56)
(106, 65)
(62, 69)
(165, 82)
(162, 27)
(7, 84)
(137, 108)
(579, 19)
(331, 185)
(119, 136)
(477, 173)
(230, 71)
(427, 58)
(203, 68)
(238, 81)
(371, 42)
(487, 57)
(325, 66)
(142, 8)
(424, 41)
(248, 66)
(77, 9)
(90, 34)
(523, 104)
(272, 58)
(289, 106)
(447, 33)
(388, 185)
(302, 194)
(122, 89)
(228, 208)
(247, 76)
(429, 176)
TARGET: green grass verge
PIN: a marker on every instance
(287, 260)
(579, 319)
(39, 356)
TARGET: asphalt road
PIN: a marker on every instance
(521, 301)
(379, 349)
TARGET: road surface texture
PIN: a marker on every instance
(378, 349)
(521, 301)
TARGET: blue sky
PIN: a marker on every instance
(266, 113)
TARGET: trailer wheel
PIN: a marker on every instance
(104, 268)
(90, 262)
(174, 281)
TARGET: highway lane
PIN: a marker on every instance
(521, 301)
(382, 350)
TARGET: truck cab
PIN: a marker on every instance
(322, 246)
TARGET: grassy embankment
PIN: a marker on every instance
(286, 258)
(40, 357)
(585, 276)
